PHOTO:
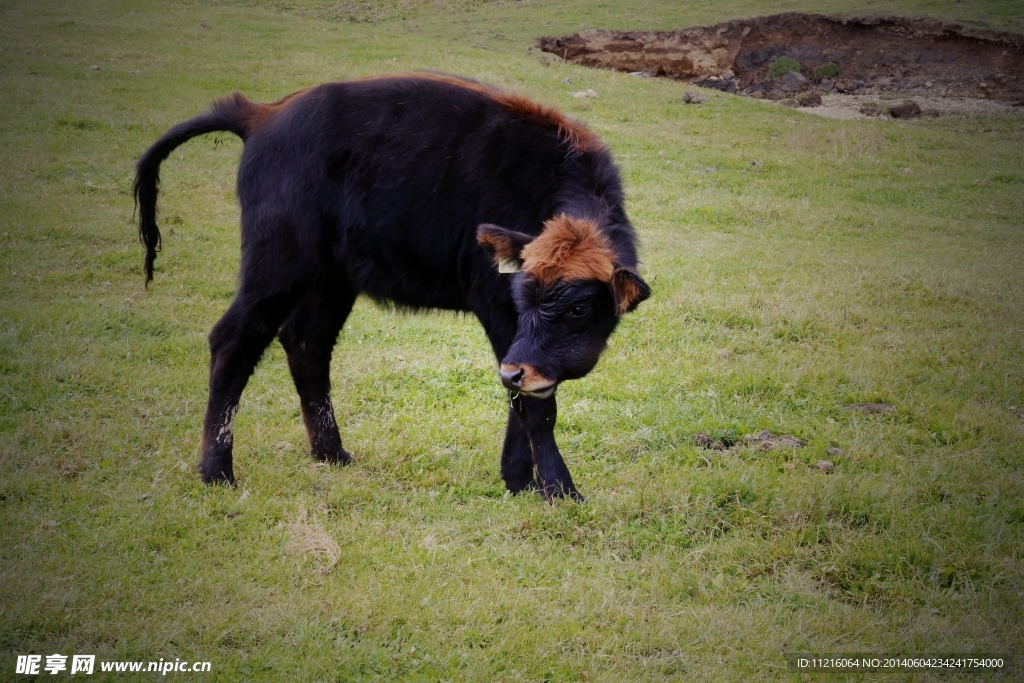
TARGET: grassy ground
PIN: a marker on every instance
(855, 261)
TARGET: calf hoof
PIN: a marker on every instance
(334, 457)
(553, 492)
(517, 487)
(216, 472)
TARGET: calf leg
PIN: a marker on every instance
(516, 453)
(308, 336)
(237, 342)
(538, 416)
(499, 319)
(529, 446)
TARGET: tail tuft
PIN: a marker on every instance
(234, 113)
(146, 181)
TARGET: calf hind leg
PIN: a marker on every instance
(237, 342)
(308, 336)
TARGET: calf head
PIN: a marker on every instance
(569, 293)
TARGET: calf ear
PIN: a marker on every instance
(628, 290)
(504, 246)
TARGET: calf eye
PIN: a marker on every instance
(578, 311)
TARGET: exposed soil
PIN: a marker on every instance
(763, 440)
(942, 65)
(872, 408)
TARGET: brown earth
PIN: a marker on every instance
(876, 56)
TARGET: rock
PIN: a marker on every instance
(567, 81)
(873, 109)
(834, 452)
(94, 67)
(716, 83)
(694, 97)
(767, 441)
(727, 74)
(933, 113)
(809, 99)
(762, 435)
(584, 93)
(791, 82)
(702, 440)
(825, 466)
(757, 95)
(789, 103)
(908, 110)
(724, 354)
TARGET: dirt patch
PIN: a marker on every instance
(763, 440)
(780, 57)
(851, 106)
(872, 408)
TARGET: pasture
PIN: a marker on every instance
(798, 264)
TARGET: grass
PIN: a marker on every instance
(781, 67)
(798, 265)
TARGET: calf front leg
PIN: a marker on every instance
(516, 453)
(553, 479)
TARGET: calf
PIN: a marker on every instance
(426, 191)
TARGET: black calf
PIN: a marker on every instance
(396, 187)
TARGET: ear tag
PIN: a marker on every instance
(507, 265)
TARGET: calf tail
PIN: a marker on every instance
(234, 114)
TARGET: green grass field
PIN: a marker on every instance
(856, 261)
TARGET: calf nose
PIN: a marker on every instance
(512, 376)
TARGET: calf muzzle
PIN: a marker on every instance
(526, 379)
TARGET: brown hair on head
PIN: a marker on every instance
(569, 249)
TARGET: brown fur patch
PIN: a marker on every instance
(501, 249)
(569, 249)
(628, 290)
(499, 244)
(257, 114)
(576, 135)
